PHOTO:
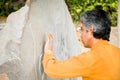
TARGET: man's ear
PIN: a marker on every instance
(91, 29)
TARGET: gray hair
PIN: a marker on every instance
(99, 20)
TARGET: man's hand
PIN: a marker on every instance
(4, 76)
(49, 43)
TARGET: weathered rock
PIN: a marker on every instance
(10, 40)
(47, 16)
(22, 50)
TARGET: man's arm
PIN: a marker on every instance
(73, 67)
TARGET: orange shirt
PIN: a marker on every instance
(102, 62)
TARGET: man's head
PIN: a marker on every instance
(95, 24)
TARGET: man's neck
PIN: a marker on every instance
(94, 41)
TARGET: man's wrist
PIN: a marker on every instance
(48, 52)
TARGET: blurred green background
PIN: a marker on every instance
(8, 6)
(76, 7)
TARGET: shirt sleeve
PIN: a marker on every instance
(74, 67)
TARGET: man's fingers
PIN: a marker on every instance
(50, 36)
(49, 42)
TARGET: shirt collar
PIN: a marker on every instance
(99, 44)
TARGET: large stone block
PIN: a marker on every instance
(24, 37)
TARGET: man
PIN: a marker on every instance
(102, 62)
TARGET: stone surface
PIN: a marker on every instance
(114, 36)
(47, 16)
(10, 40)
(21, 52)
